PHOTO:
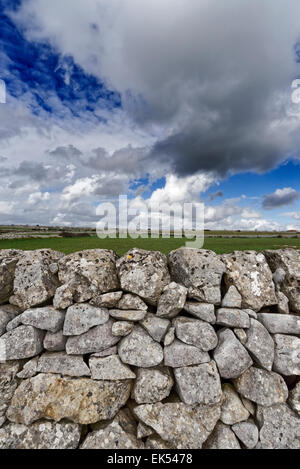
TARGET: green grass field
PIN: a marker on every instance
(219, 245)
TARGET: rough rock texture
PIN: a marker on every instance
(232, 411)
(96, 339)
(196, 332)
(30, 369)
(249, 272)
(222, 437)
(279, 427)
(287, 355)
(204, 311)
(156, 327)
(280, 323)
(139, 349)
(46, 318)
(229, 317)
(260, 344)
(8, 385)
(111, 437)
(179, 354)
(121, 328)
(60, 362)
(143, 430)
(55, 341)
(247, 433)
(8, 261)
(7, 314)
(171, 301)
(200, 271)
(109, 368)
(152, 385)
(79, 400)
(22, 342)
(144, 273)
(129, 301)
(232, 299)
(122, 315)
(80, 318)
(107, 300)
(294, 398)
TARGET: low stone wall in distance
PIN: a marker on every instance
(190, 351)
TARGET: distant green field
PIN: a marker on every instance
(219, 245)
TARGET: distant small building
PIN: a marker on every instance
(292, 231)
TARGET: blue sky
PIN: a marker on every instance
(98, 106)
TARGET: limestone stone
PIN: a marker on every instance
(260, 344)
(143, 431)
(144, 273)
(60, 362)
(200, 271)
(289, 261)
(82, 317)
(14, 323)
(183, 427)
(122, 315)
(222, 437)
(196, 332)
(40, 435)
(111, 437)
(232, 298)
(63, 297)
(152, 385)
(7, 314)
(294, 398)
(170, 336)
(90, 272)
(229, 317)
(107, 352)
(241, 335)
(94, 340)
(34, 283)
(139, 349)
(266, 388)
(249, 405)
(232, 411)
(179, 354)
(8, 261)
(171, 301)
(30, 369)
(110, 368)
(283, 303)
(122, 328)
(46, 318)
(249, 272)
(107, 300)
(55, 341)
(155, 326)
(129, 302)
(279, 427)
(204, 311)
(287, 355)
(280, 323)
(22, 342)
(199, 384)
(247, 433)
(156, 442)
(8, 385)
(80, 400)
(231, 357)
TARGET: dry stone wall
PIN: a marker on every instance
(191, 351)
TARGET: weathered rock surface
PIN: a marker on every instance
(196, 332)
(122, 328)
(152, 385)
(90, 273)
(110, 368)
(129, 302)
(55, 341)
(289, 261)
(171, 301)
(156, 442)
(107, 352)
(287, 355)
(8, 385)
(155, 326)
(40, 435)
(260, 344)
(199, 384)
(231, 357)
(82, 317)
(180, 425)
(30, 369)
(63, 297)
(139, 349)
(22, 342)
(170, 336)
(204, 311)
(143, 431)
(232, 411)
(8, 261)
(247, 433)
(7, 314)
(280, 323)
(249, 272)
(279, 427)
(222, 437)
(60, 362)
(46, 318)
(200, 271)
(179, 354)
(80, 400)
(34, 283)
(266, 388)
(122, 315)
(232, 299)
(107, 300)
(144, 273)
(111, 437)
(96, 339)
(283, 303)
(294, 398)
(229, 317)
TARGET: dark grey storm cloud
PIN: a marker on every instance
(280, 198)
(214, 195)
(68, 152)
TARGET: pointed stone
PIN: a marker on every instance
(55, 341)
(232, 299)
(222, 438)
(122, 315)
(60, 362)
(129, 302)
(287, 355)
(204, 311)
(233, 410)
(279, 427)
(122, 328)
(82, 317)
(171, 301)
(247, 433)
(260, 344)
(155, 326)
(110, 368)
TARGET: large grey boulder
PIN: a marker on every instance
(247, 433)
(204, 311)
(289, 261)
(82, 317)
(171, 301)
(111, 437)
(259, 344)
(249, 272)
(61, 363)
(152, 385)
(144, 273)
(280, 323)
(279, 427)
(231, 357)
(22, 342)
(89, 273)
(34, 281)
(196, 332)
(222, 437)
(287, 355)
(184, 427)
(80, 400)
(8, 261)
(232, 411)
(40, 435)
(139, 349)
(46, 318)
(200, 271)
(266, 388)
(94, 340)
(179, 354)
(8, 385)
(7, 314)
(110, 368)
(199, 384)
